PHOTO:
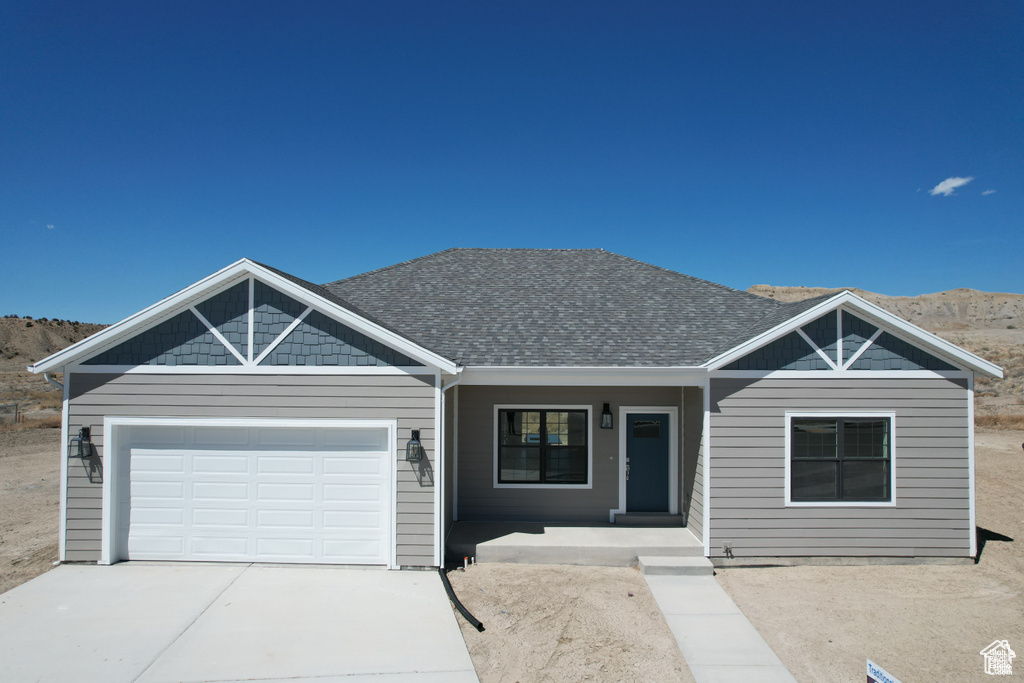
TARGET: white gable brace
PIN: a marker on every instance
(894, 325)
(214, 284)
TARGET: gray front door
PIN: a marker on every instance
(647, 462)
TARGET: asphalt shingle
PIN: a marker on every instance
(541, 307)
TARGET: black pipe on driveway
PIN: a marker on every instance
(474, 622)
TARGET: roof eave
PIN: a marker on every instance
(243, 267)
(847, 298)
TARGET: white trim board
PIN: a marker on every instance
(112, 426)
(674, 455)
(213, 285)
(64, 438)
(583, 376)
(550, 407)
(420, 370)
(972, 530)
(877, 316)
(889, 414)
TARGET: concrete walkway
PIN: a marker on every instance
(719, 643)
(160, 623)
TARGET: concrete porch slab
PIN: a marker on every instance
(593, 544)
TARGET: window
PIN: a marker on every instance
(840, 458)
(543, 446)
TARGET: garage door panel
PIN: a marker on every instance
(371, 520)
(219, 546)
(159, 515)
(219, 437)
(368, 464)
(207, 463)
(285, 464)
(156, 462)
(356, 439)
(292, 493)
(258, 493)
(283, 548)
(219, 490)
(159, 547)
(167, 490)
(227, 518)
(365, 549)
(284, 438)
(352, 492)
(286, 519)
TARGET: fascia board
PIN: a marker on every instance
(512, 375)
(228, 276)
(911, 333)
(774, 333)
(354, 321)
(906, 331)
(147, 316)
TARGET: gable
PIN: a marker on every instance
(285, 332)
(815, 346)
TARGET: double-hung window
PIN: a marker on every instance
(543, 446)
(840, 458)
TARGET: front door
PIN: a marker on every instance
(647, 454)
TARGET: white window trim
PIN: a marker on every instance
(673, 456)
(551, 407)
(891, 415)
(112, 426)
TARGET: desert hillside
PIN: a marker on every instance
(24, 341)
(988, 324)
(957, 309)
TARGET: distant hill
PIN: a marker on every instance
(956, 309)
(23, 341)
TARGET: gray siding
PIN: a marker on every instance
(182, 340)
(791, 352)
(319, 340)
(480, 501)
(931, 517)
(693, 462)
(408, 399)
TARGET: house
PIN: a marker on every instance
(256, 416)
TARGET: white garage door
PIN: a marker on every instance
(266, 493)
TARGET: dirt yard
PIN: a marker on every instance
(29, 503)
(558, 623)
(920, 622)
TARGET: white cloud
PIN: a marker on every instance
(49, 226)
(986, 192)
(946, 187)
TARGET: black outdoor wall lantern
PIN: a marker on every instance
(413, 449)
(80, 446)
(606, 417)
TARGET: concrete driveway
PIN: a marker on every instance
(180, 622)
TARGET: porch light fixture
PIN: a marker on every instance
(414, 449)
(606, 417)
(80, 446)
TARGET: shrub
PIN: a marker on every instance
(28, 323)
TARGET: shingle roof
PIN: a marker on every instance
(557, 307)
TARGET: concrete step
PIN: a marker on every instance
(675, 565)
(653, 519)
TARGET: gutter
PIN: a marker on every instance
(51, 380)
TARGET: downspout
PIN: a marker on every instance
(444, 441)
(52, 381)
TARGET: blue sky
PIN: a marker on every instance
(145, 145)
